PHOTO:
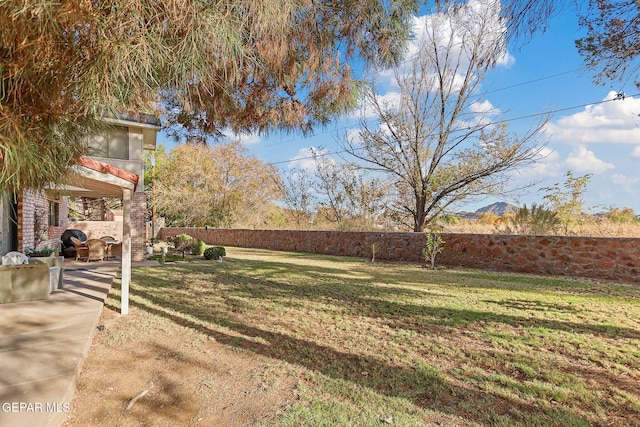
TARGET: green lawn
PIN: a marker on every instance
(382, 344)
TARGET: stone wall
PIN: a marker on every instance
(604, 258)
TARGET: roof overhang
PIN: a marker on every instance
(132, 123)
(91, 178)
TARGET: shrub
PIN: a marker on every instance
(433, 245)
(198, 248)
(214, 252)
(537, 221)
(183, 243)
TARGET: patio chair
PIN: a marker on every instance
(97, 249)
(115, 250)
(82, 250)
(15, 258)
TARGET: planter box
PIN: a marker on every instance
(55, 261)
(25, 282)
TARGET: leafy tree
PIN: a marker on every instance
(240, 64)
(567, 199)
(622, 215)
(157, 157)
(437, 142)
(151, 158)
(216, 186)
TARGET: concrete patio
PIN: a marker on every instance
(43, 344)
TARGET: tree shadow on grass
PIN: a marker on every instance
(365, 299)
(401, 274)
(530, 305)
(421, 383)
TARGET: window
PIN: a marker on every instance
(54, 213)
(113, 144)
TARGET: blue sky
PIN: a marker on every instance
(545, 74)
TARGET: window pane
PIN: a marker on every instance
(54, 213)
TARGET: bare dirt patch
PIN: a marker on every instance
(171, 375)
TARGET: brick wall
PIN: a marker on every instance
(97, 229)
(605, 258)
(28, 204)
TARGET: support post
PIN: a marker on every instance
(127, 195)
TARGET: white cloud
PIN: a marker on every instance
(475, 20)
(353, 136)
(636, 151)
(549, 155)
(626, 184)
(304, 159)
(247, 138)
(482, 112)
(583, 160)
(623, 180)
(484, 107)
(614, 122)
(548, 164)
(388, 101)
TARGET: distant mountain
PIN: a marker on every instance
(498, 208)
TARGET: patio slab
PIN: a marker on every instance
(43, 344)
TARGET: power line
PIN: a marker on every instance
(529, 116)
(531, 81)
(550, 76)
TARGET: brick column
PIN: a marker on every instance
(32, 207)
(138, 226)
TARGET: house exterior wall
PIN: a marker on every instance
(139, 139)
(55, 231)
(32, 219)
(135, 163)
(97, 229)
(34, 230)
(142, 132)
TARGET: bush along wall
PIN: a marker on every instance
(603, 258)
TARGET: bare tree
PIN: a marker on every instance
(332, 186)
(345, 195)
(298, 196)
(439, 142)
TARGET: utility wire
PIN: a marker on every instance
(539, 79)
(619, 97)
